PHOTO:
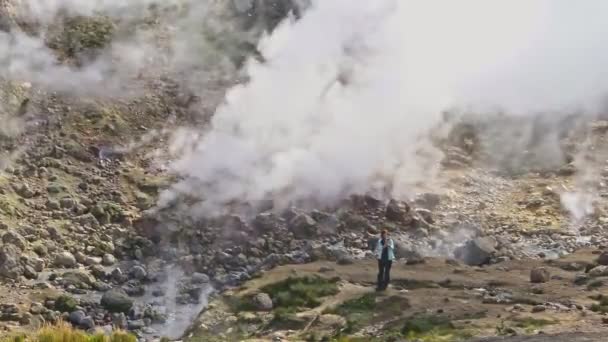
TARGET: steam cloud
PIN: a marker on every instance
(347, 94)
(186, 39)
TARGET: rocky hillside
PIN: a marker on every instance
(504, 243)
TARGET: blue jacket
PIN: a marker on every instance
(391, 249)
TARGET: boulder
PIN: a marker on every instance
(65, 259)
(14, 238)
(599, 271)
(138, 272)
(476, 252)
(76, 317)
(78, 278)
(603, 259)
(428, 201)
(116, 301)
(303, 227)
(108, 260)
(262, 302)
(399, 212)
(539, 275)
(9, 262)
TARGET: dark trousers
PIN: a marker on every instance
(384, 273)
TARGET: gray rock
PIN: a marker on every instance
(78, 278)
(262, 302)
(538, 308)
(9, 262)
(36, 263)
(90, 261)
(116, 301)
(603, 259)
(30, 273)
(67, 203)
(476, 252)
(76, 317)
(65, 259)
(540, 275)
(136, 324)
(87, 323)
(25, 191)
(53, 205)
(13, 238)
(108, 260)
(303, 227)
(138, 272)
(200, 278)
(399, 212)
(599, 271)
(37, 308)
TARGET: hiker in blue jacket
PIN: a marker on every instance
(385, 248)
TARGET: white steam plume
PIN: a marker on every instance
(181, 38)
(347, 94)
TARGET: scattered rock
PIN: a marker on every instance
(139, 273)
(599, 271)
(476, 252)
(540, 275)
(76, 317)
(603, 259)
(399, 212)
(13, 238)
(65, 259)
(108, 260)
(303, 227)
(262, 302)
(9, 262)
(116, 300)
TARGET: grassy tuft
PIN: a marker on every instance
(63, 332)
(306, 292)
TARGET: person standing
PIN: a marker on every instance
(385, 248)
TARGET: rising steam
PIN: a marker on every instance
(346, 95)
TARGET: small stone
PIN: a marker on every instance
(540, 275)
(538, 308)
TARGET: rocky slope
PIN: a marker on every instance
(79, 243)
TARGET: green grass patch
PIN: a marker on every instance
(602, 304)
(362, 311)
(303, 292)
(64, 332)
(595, 284)
(433, 328)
